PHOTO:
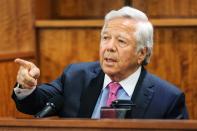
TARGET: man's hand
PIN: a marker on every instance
(27, 74)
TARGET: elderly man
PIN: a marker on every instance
(125, 47)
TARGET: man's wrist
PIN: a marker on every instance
(22, 92)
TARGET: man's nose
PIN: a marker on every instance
(111, 45)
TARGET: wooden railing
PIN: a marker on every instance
(12, 56)
(95, 125)
(99, 23)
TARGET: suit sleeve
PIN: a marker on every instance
(178, 108)
(34, 102)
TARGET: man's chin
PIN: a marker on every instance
(109, 72)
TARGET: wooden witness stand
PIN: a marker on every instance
(47, 124)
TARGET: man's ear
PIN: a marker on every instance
(142, 55)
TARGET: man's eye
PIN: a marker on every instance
(105, 37)
(121, 41)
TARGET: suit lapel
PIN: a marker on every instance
(90, 95)
(142, 96)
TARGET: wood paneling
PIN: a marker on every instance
(43, 9)
(16, 26)
(60, 47)
(167, 8)
(16, 40)
(8, 71)
(77, 9)
(74, 9)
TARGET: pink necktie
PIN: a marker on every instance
(113, 89)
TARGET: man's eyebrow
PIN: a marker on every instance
(123, 35)
(104, 32)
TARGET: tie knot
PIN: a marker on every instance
(113, 87)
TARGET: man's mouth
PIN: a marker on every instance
(110, 60)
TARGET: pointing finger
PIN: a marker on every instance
(23, 63)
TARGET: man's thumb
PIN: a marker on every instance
(34, 72)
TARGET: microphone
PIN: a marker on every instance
(118, 109)
(122, 104)
(52, 106)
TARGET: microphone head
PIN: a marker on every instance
(122, 104)
(56, 102)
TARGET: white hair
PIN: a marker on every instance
(144, 29)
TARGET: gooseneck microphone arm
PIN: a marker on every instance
(51, 107)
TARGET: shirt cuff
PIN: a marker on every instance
(22, 93)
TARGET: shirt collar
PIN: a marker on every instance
(127, 84)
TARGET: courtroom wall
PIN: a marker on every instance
(16, 40)
(55, 33)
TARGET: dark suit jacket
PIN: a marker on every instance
(81, 84)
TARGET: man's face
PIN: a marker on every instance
(118, 55)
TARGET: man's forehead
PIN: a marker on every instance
(122, 20)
